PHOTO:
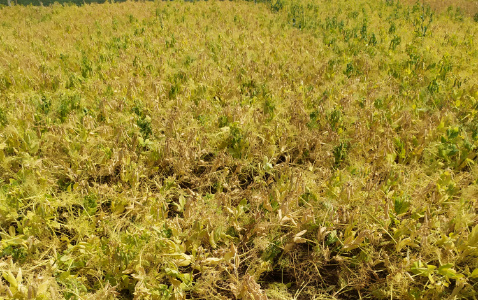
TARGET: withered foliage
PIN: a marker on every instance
(238, 150)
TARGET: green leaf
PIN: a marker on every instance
(401, 206)
(420, 269)
(447, 271)
(332, 238)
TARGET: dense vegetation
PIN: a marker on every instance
(218, 150)
(51, 2)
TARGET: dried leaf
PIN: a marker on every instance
(298, 239)
(321, 233)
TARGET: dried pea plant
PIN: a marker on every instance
(238, 150)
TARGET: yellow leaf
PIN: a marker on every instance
(212, 260)
(183, 260)
(19, 276)
(212, 241)
(474, 274)
(473, 237)
(231, 253)
(11, 279)
(11, 231)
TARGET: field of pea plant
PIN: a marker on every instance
(289, 149)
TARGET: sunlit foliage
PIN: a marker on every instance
(221, 150)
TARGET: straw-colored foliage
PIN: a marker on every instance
(233, 150)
